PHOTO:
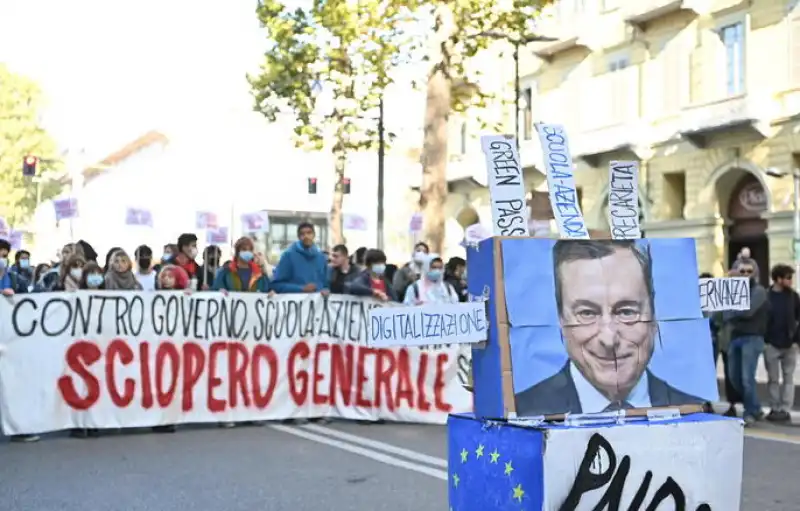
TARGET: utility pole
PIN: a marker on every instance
(381, 172)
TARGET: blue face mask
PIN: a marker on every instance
(246, 256)
(166, 257)
(94, 280)
(3, 263)
(24, 264)
(378, 269)
(435, 275)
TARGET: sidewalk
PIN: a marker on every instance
(723, 406)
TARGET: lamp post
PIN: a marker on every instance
(796, 217)
(517, 41)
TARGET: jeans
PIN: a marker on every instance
(743, 354)
(780, 362)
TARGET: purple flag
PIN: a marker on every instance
(135, 216)
(354, 222)
(218, 236)
(15, 240)
(66, 208)
(255, 222)
(416, 223)
(206, 220)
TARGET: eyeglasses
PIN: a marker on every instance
(623, 316)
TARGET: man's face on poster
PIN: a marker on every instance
(606, 320)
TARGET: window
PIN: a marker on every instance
(674, 195)
(283, 232)
(618, 88)
(527, 113)
(794, 50)
(463, 138)
(732, 37)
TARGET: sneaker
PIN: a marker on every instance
(774, 415)
(731, 412)
(784, 416)
(749, 420)
(79, 433)
(93, 433)
(26, 439)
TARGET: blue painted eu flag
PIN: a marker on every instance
(494, 466)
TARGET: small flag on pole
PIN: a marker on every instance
(136, 216)
(416, 223)
(206, 220)
(257, 222)
(218, 236)
(66, 209)
(354, 222)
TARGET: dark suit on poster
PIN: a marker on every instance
(558, 394)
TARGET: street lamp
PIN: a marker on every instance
(517, 41)
(772, 172)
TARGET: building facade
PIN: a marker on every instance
(704, 93)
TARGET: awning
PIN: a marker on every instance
(642, 12)
(550, 50)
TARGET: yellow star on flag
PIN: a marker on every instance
(464, 454)
(456, 479)
(494, 454)
(479, 451)
(509, 468)
(518, 492)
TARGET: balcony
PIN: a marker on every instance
(549, 51)
(699, 123)
(642, 12)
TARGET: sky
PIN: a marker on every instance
(113, 70)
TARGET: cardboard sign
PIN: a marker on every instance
(434, 323)
(623, 200)
(725, 293)
(506, 185)
(561, 182)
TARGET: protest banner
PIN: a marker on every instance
(139, 216)
(217, 235)
(725, 293)
(561, 181)
(131, 359)
(623, 200)
(435, 323)
(66, 209)
(506, 185)
(255, 223)
(206, 220)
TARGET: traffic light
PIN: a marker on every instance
(312, 186)
(346, 185)
(29, 166)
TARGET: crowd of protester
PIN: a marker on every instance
(303, 268)
(769, 329)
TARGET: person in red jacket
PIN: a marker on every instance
(185, 258)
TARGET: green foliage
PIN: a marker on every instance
(21, 135)
(349, 47)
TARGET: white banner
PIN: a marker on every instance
(133, 359)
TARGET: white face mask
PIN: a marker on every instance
(419, 257)
(76, 273)
(193, 252)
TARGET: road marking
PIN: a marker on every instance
(379, 446)
(375, 455)
(773, 436)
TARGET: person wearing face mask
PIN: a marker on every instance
(372, 281)
(145, 273)
(92, 277)
(246, 273)
(431, 287)
(411, 271)
(212, 256)
(170, 249)
(185, 258)
(7, 281)
(52, 277)
(71, 273)
(21, 271)
(747, 331)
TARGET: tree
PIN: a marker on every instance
(21, 135)
(349, 47)
(461, 29)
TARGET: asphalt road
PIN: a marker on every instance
(336, 467)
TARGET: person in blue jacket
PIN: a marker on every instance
(245, 273)
(303, 267)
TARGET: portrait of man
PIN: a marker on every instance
(605, 303)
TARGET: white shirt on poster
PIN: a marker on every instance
(147, 280)
(592, 401)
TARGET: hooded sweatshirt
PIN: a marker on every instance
(428, 291)
(751, 322)
(298, 267)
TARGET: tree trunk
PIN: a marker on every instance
(433, 193)
(340, 163)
